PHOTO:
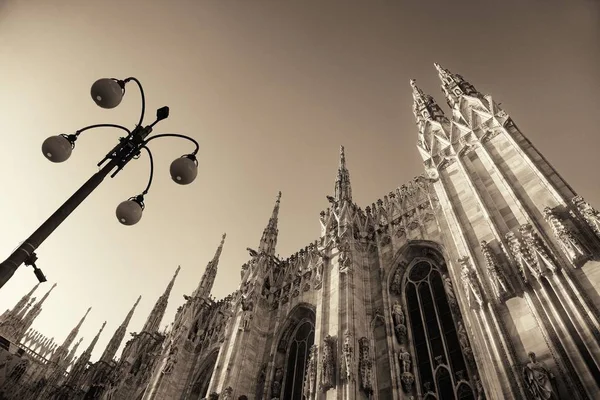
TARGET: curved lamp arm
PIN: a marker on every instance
(131, 78)
(80, 131)
(177, 136)
(151, 170)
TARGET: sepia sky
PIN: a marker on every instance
(270, 89)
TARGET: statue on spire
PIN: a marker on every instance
(268, 240)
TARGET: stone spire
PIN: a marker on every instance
(268, 241)
(115, 341)
(32, 314)
(80, 365)
(158, 312)
(19, 306)
(425, 107)
(343, 189)
(208, 278)
(454, 86)
(71, 354)
(62, 351)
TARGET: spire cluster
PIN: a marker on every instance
(343, 189)
(152, 324)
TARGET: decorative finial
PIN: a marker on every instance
(279, 197)
(413, 83)
(223, 238)
(138, 300)
(438, 66)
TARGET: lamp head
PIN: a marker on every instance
(107, 93)
(58, 148)
(184, 169)
(130, 211)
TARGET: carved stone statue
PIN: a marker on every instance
(397, 314)
(171, 360)
(479, 392)
(540, 259)
(470, 282)
(227, 393)
(345, 259)
(276, 385)
(328, 364)
(496, 274)
(310, 380)
(567, 240)
(405, 361)
(449, 291)
(365, 366)
(589, 214)
(538, 379)
(462, 335)
(347, 357)
(396, 286)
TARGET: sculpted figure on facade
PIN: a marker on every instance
(470, 282)
(328, 364)
(310, 380)
(521, 256)
(399, 322)
(345, 258)
(567, 240)
(479, 392)
(227, 393)
(171, 360)
(539, 254)
(365, 366)
(276, 385)
(449, 289)
(348, 356)
(496, 274)
(538, 379)
(589, 214)
(463, 339)
(396, 286)
(405, 360)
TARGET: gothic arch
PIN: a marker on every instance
(203, 375)
(294, 340)
(435, 357)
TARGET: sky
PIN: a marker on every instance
(270, 90)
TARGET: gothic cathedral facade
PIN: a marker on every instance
(479, 279)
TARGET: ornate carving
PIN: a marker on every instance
(310, 380)
(345, 258)
(463, 339)
(399, 322)
(470, 282)
(328, 364)
(347, 357)
(171, 360)
(245, 321)
(498, 280)
(590, 215)
(538, 379)
(227, 393)
(365, 366)
(567, 240)
(405, 361)
(407, 379)
(396, 286)
(276, 385)
(522, 257)
(538, 251)
(448, 288)
(479, 392)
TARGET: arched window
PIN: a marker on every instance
(200, 385)
(437, 352)
(297, 356)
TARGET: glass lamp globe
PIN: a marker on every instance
(57, 148)
(184, 170)
(107, 93)
(129, 212)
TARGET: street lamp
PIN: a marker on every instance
(106, 93)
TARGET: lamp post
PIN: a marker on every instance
(106, 93)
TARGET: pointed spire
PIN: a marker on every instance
(71, 354)
(158, 312)
(22, 303)
(424, 106)
(61, 352)
(268, 240)
(80, 365)
(208, 278)
(454, 86)
(30, 317)
(115, 342)
(343, 189)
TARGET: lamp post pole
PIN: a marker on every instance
(183, 171)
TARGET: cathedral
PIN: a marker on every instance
(478, 279)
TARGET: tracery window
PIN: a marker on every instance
(297, 356)
(437, 352)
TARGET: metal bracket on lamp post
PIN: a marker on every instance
(128, 148)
